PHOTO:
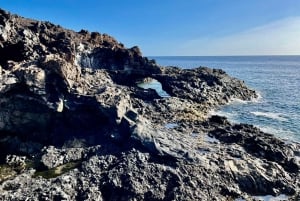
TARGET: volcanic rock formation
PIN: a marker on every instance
(75, 126)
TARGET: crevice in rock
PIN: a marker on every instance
(14, 52)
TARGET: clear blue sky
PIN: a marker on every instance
(179, 27)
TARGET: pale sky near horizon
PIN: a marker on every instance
(177, 27)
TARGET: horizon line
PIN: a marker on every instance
(260, 55)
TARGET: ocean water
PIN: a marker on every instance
(275, 78)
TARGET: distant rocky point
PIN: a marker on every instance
(74, 125)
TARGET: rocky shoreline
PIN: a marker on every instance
(75, 126)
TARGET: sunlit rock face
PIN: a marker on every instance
(74, 125)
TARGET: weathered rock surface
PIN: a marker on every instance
(74, 125)
(205, 85)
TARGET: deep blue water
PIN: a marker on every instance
(275, 78)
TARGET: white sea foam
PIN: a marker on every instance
(268, 129)
(286, 135)
(259, 97)
(238, 101)
(253, 100)
(270, 115)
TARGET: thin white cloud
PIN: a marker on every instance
(277, 38)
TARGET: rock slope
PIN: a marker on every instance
(75, 126)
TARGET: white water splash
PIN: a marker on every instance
(270, 115)
(229, 115)
(258, 99)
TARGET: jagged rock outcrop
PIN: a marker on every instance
(205, 85)
(75, 126)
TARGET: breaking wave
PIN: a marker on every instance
(270, 115)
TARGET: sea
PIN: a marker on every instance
(275, 78)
